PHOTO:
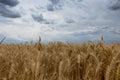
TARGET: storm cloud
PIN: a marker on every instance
(54, 1)
(54, 5)
(9, 2)
(5, 8)
(38, 18)
(69, 21)
(115, 5)
(50, 7)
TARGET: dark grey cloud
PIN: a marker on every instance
(54, 5)
(38, 18)
(54, 1)
(9, 2)
(115, 5)
(6, 12)
(69, 21)
(5, 8)
(50, 7)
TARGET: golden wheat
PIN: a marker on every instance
(60, 61)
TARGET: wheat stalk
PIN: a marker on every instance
(118, 72)
(110, 72)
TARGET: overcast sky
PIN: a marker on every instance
(60, 20)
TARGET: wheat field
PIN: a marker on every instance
(60, 61)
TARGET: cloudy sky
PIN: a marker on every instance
(60, 20)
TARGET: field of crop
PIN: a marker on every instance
(60, 61)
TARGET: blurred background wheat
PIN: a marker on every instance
(60, 61)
